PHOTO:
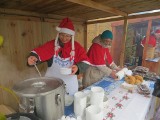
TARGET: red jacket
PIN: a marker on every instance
(46, 51)
(99, 55)
(152, 41)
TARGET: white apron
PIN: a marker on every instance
(71, 81)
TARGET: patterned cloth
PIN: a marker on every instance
(123, 104)
(107, 83)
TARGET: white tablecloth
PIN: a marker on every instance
(123, 104)
(126, 105)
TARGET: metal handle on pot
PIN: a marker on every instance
(58, 99)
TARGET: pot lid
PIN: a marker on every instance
(37, 86)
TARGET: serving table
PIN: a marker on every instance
(122, 104)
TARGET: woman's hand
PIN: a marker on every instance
(118, 69)
(32, 60)
(74, 69)
(113, 74)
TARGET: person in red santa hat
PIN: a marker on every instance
(152, 44)
(101, 59)
(62, 52)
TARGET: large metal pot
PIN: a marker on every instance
(45, 95)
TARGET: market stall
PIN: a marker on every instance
(25, 24)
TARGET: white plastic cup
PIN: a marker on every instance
(94, 112)
(97, 96)
(80, 101)
(68, 100)
(65, 71)
(88, 95)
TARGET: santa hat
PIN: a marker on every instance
(157, 31)
(65, 26)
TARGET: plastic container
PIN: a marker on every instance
(65, 71)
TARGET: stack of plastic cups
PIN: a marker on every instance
(97, 96)
(80, 101)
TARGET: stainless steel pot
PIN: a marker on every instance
(45, 95)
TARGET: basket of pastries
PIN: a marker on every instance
(134, 79)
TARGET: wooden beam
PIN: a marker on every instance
(14, 12)
(123, 42)
(122, 18)
(147, 40)
(105, 20)
(98, 6)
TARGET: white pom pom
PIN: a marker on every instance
(58, 29)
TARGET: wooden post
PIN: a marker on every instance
(147, 40)
(85, 36)
(123, 42)
(113, 41)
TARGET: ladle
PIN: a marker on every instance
(37, 70)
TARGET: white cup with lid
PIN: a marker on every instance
(97, 92)
(65, 71)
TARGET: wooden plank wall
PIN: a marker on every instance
(20, 37)
(95, 29)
